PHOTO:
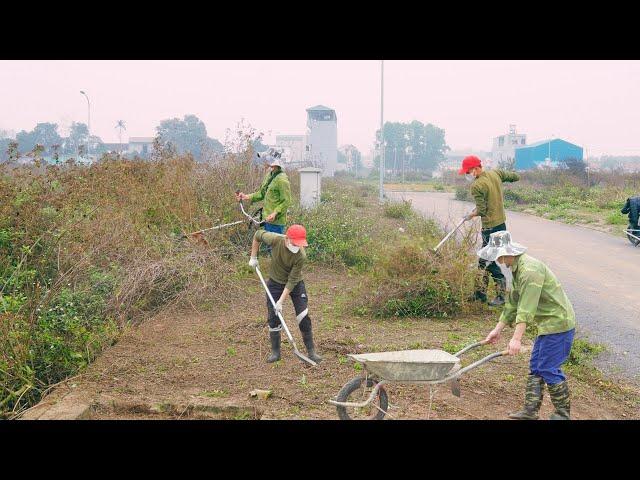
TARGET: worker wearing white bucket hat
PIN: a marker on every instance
(275, 191)
(536, 298)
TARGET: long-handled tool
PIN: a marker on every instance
(284, 325)
(449, 234)
(200, 232)
(252, 219)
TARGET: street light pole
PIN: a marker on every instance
(88, 119)
(381, 142)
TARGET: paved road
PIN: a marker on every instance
(600, 273)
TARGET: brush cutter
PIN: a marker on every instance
(199, 233)
(284, 325)
(449, 234)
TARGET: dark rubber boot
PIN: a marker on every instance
(307, 338)
(478, 296)
(532, 399)
(559, 394)
(501, 286)
(275, 347)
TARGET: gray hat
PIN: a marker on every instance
(500, 244)
(272, 156)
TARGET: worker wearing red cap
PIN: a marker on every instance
(285, 279)
(486, 189)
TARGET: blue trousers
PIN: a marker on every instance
(270, 227)
(548, 354)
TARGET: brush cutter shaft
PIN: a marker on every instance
(449, 234)
(249, 216)
(217, 227)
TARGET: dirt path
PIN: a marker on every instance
(599, 272)
(204, 365)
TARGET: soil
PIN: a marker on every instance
(203, 364)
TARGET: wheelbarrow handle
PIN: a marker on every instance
(480, 362)
(469, 347)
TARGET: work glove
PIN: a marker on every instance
(253, 262)
(279, 307)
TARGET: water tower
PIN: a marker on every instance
(322, 139)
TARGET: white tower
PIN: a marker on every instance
(322, 139)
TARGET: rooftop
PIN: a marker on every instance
(319, 107)
(544, 142)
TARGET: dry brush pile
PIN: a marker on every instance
(391, 245)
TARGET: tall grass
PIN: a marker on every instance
(85, 250)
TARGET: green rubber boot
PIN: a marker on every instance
(532, 399)
(307, 338)
(559, 394)
(275, 347)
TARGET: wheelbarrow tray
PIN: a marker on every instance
(408, 365)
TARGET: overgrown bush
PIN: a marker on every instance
(400, 210)
(85, 249)
(463, 193)
(339, 229)
(410, 280)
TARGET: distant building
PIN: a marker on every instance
(140, 145)
(112, 147)
(321, 147)
(546, 152)
(293, 146)
(504, 146)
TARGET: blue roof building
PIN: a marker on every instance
(557, 150)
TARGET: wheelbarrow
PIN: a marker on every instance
(425, 367)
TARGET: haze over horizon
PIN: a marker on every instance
(595, 104)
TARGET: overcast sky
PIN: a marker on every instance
(593, 103)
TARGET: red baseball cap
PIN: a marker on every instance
(298, 235)
(468, 163)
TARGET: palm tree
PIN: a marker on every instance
(120, 125)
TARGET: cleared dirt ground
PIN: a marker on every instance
(196, 365)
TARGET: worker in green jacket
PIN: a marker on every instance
(275, 191)
(486, 190)
(537, 298)
(285, 280)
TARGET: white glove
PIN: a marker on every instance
(253, 262)
(279, 307)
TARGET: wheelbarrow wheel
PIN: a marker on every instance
(634, 241)
(355, 389)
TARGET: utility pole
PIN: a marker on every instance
(382, 131)
(395, 160)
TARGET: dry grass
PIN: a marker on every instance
(107, 235)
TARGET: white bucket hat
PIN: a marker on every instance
(500, 244)
(272, 156)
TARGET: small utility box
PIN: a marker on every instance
(309, 187)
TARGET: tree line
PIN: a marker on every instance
(186, 135)
(414, 146)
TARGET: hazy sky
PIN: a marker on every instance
(593, 103)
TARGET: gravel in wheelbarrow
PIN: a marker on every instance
(408, 365)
